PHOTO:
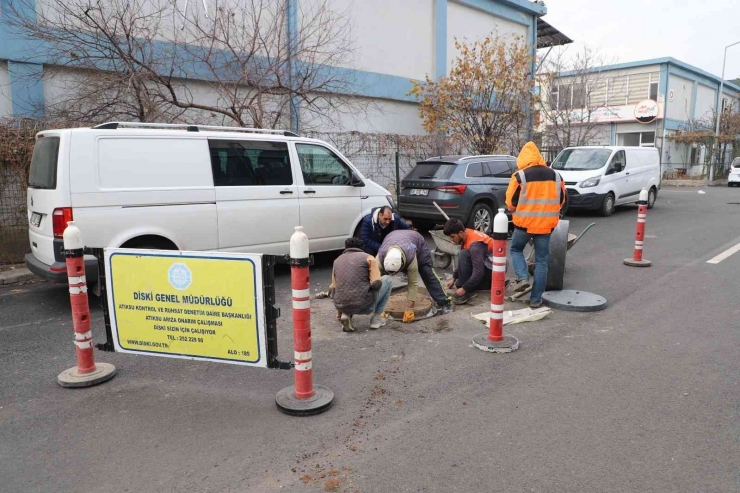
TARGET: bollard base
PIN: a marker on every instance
(289, 404)
(72, 380)
(508, 345)
(637, 263)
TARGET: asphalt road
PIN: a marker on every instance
(642, 397)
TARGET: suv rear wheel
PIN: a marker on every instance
(481, 218)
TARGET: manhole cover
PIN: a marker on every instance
(574, 301)
(398, 302)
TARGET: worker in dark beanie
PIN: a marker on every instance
(471, 274)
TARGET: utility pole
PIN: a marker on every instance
(719, 112)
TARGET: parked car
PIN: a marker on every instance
(178, 187)
(733, 179)
(600, 178)
(468, 188)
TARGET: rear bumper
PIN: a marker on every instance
(585, 200)
(733, 178)
(57, 272)
(430, 213)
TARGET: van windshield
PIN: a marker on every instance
(43, 173)
(581, 159)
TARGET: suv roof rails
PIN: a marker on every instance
(192, 128)
(484, 155)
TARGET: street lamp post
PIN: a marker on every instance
(719, 109)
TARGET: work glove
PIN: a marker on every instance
(408, 316)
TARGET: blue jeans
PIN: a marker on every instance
(541, 256)
(381, 296)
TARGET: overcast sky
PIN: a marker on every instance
(693, 31)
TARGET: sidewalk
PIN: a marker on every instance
(14, 274)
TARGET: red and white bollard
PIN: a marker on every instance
(86, 373)
(304, 398)
(637, 260)
(495, 341)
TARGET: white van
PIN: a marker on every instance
(188, 187)
(600, 178)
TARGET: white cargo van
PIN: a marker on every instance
(600, 178)
(189, 187)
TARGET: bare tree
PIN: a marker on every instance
(573, 96)
(247, 62)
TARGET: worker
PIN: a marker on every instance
(472, 273)
(357, 286)
(406, 251)
(536, 195)
(377, 225)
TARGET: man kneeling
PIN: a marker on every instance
(406, 251)
(472, 273)
(357, 286)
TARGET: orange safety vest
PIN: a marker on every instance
(473, 235)
(538, 210)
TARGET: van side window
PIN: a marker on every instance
(245, 163)
(619, 163)
(498, 169)
(320, 166)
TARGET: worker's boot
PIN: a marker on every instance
(441, 308)
(377, 321)
(346, 321)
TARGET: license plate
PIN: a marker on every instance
(419, 191)
(36, 219)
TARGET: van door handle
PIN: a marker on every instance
(627, 173)
(283, 192)
(309, 191)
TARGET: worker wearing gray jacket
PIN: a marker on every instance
(406, 251)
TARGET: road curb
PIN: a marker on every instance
(15, 276)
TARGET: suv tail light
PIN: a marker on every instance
(59, 219)
(453, 189)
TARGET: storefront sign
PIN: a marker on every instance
(611, 114)
(193, 305)
(647, 111)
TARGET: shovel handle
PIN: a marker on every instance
(441, 211)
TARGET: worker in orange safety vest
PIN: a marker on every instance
(536, 195)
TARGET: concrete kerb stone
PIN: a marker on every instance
(15, 276)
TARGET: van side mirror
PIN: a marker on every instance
(616, 167)
(356, 181)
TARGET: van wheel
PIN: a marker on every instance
(607, 207)
(481, 218)
(652, 195)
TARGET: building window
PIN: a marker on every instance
(653, 88)
(647, 139)
(725, 104)
(580, 93)
(555, 97)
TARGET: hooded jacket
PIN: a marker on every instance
(536, 193)
(372, 234)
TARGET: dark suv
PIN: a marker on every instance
(469, 188)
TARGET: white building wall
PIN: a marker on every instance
(683, 94)
(371, 116)
(6, 103)
(706, 102)
(467, 23)
(391, 37)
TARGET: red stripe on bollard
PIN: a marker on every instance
(498, 286)
(637, 260)
(299, 281)
(86, 373)
(304, 398)
(495, 341)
